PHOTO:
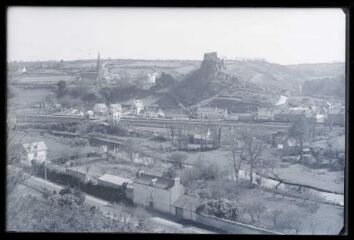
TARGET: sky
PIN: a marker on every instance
(284, 36)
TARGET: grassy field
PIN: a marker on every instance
(42, 79)
(26, 97)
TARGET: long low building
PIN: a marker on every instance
(114, 181)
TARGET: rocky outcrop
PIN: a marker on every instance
(208, 80)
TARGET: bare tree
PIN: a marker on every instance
(253, 148)
(130, 149)
(297, 131)
(255, 209)
(236, 160)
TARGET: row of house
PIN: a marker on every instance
(310, 114)
(211, 113)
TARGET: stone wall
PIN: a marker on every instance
(231, 226)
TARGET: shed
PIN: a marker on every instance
(185, 207)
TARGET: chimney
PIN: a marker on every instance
(153, 181)
(177, 180)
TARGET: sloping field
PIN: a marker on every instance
(41, 79)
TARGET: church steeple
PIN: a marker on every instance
(99, 69)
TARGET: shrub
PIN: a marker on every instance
(220, 208)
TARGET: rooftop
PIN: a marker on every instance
(187, 202)
(114, 179)
(103, 105)
(92, 170)
(35, 146)
(210, 109)
(161, 182)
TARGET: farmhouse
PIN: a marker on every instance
(156, 192)
(211, 113)
(36, 151)
(100, 109)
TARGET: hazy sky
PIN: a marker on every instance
(285, 36)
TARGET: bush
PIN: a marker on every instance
(220, 208)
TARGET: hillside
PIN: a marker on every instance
(325, 87)
(318, 70)
(238, 85)
(228, 84)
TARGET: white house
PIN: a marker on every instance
(36, 151)
(157, 192)
(153, 112)
(90, 113)
(137, 107)
(100, 108)
(152, 77)
(320, 118)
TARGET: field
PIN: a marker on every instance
(41, 79)
(25, 97)
(57, 146)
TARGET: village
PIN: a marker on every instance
(183, 161)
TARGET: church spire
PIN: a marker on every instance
(99, 68)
